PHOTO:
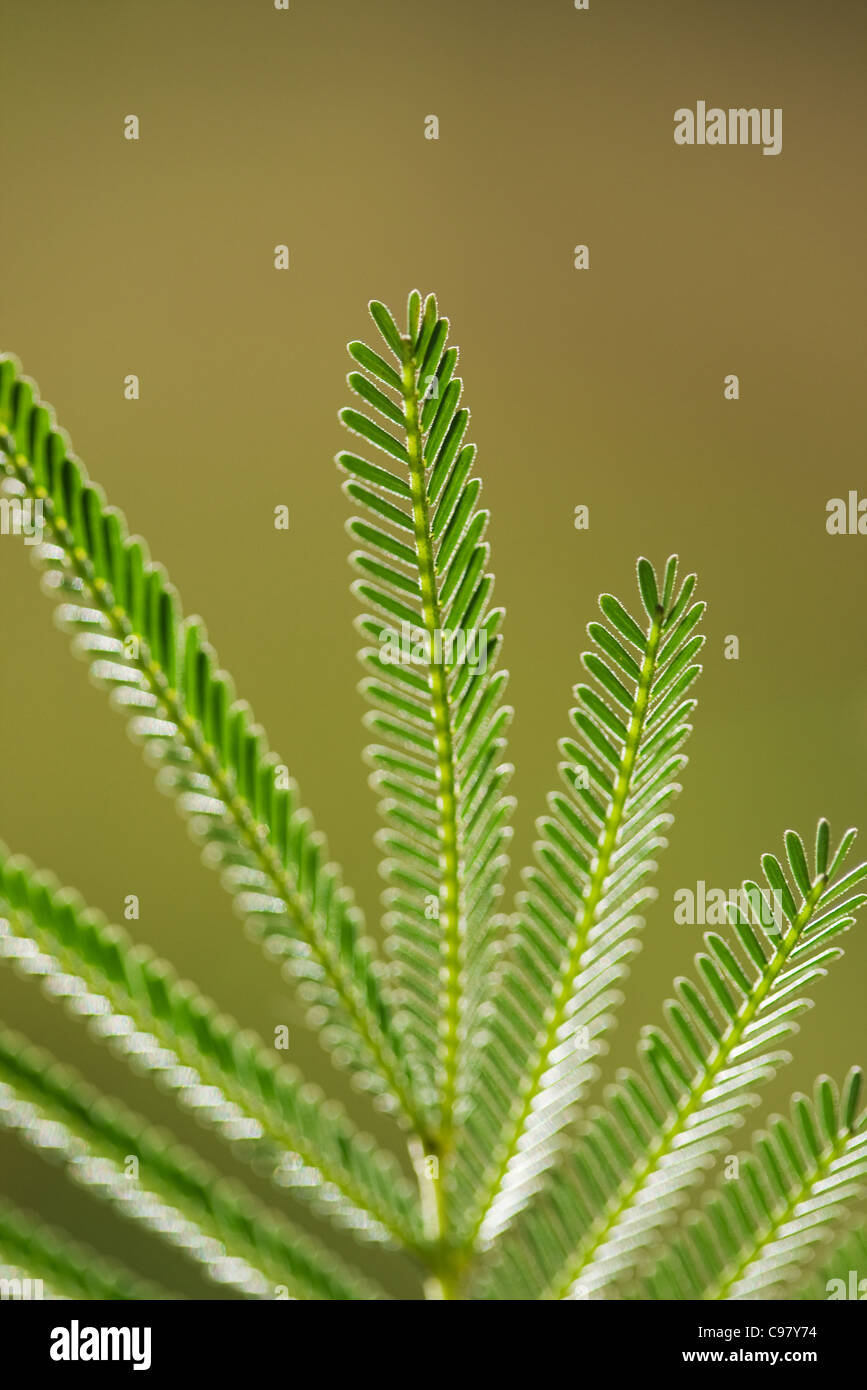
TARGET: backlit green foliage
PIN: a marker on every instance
(479, 1025)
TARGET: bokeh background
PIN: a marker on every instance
(602, 387)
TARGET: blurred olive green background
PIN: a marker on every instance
(602, 387)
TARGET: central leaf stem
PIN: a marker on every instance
(451, 907)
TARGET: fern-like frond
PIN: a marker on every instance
(576, 924)
(661, 1127)
(760, 1229)
(433, 647)
(844, 1273)
(126, 622)
(226, 1076)
(66, 1268)
(152, 1180)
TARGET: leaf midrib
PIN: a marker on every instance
(449, 830)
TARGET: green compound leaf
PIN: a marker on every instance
(263, 1108)
(844, 1273)
(478, 1032)
(66, 1268)
(610, 1203)
(577, 920)
(216, 1223)
(432, 648)
(760, 1229)
(126, 622)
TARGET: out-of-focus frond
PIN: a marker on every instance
(152, 1180)
(844, 1273)
(66, 1268)
(224, 1074)
(760, 1229)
